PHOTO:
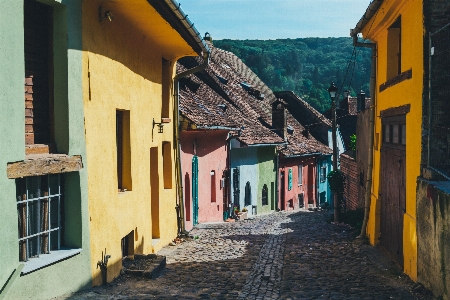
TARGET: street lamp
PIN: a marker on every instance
(332, 90)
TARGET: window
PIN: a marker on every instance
(248, 194)
(167, 165)
(322, 197)
(300, 175)
(38, 32)
(323, 174)
(123, 150)
(301, 200)
(394, 131)
(394, 50)
(213, 186)
(265, 195)
(40, 215)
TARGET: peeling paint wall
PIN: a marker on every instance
(433, 233)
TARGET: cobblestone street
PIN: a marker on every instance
(278, 256)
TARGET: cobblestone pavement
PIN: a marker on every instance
(278, 256)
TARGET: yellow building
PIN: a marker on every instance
(396, 28)
(129, 54)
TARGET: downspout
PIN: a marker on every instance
(368, 194)
(176, 87)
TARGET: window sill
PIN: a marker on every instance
(397, 79)
(45, 260)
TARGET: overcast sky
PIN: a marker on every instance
(274, 19)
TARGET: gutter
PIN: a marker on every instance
(176, 124)
(176, 9)
(302, 155)
(270, 144)
(370, 12)
(218, 128)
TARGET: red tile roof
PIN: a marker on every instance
(227, 81)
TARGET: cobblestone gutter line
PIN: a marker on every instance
(264, 280)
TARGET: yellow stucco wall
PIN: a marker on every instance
(406, 92)
(122, 70)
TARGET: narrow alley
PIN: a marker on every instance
(284, 255)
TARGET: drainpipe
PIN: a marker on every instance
(176, 123)
(367, 198)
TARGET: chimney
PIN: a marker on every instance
(279, 118)
(361, 101)
(208, 37)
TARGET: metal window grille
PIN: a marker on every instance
(248, 194)
(323, 174)
(265, 195)
(39, 206)
(300, 175)
(439, 110)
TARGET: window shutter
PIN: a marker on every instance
(290, 179)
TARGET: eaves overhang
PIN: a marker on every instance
(370, 12)
(171, 11)
(301, 155)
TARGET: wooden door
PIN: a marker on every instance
(393, 190)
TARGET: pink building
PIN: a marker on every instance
(298, 179)
(204, 164)
(297, 183)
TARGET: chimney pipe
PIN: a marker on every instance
(279, 118)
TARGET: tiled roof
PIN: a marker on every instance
(307, 113)
(227, 93)
(301, 142)
(214, 103)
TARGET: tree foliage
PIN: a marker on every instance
(306, 66)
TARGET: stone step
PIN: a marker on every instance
(148, 266)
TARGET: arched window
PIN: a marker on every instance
(248, 194)
(265, 198)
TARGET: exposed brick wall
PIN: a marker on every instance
(350, 170)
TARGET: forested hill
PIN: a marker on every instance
(306, 66)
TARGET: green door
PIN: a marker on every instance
(195, 189)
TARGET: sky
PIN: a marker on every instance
(274, 19)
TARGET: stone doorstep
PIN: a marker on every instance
(151, 271)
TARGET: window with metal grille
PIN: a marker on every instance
(248, 194)
(213, 186)
(265, 195)
(300, 175)
(323, 174)
(40, 212)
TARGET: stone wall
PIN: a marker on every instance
(350, 170)
(433, 236)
